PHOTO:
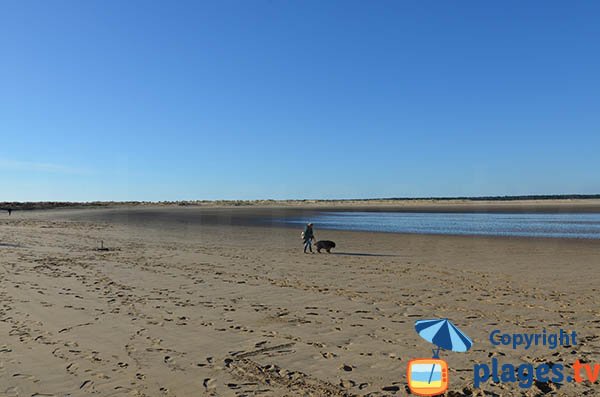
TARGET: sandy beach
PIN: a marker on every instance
(193, 301)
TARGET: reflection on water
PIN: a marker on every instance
(527, 225)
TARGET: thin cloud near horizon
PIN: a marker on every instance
(40, 167)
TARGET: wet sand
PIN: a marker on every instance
(192, 301)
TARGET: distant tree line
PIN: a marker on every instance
(497, 198)
(67, 204)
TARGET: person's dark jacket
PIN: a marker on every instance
(308, 233)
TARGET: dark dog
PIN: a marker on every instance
(324, 245)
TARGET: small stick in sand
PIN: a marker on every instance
(102, 246)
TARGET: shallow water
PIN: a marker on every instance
(487, 224)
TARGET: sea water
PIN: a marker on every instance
(487, 224)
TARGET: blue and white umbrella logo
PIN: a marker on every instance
(443, 334)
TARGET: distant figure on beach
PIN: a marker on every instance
(308, 235)
(9, 211)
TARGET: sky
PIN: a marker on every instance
(280, 99)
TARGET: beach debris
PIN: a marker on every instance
(102, 247)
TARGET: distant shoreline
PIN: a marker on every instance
(502, 204)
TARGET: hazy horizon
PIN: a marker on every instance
(442, 198)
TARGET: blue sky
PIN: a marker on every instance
(149, 100)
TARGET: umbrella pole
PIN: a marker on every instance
(436, 354)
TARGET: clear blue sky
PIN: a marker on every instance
(149, 100)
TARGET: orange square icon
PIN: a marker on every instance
(427, 376)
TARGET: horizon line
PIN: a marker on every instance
(441, 198)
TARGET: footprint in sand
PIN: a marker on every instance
(260, 344)
(26, 376)
(86, 385)
(11, 392)
(72, 368)
(346, 367)
(209, 384)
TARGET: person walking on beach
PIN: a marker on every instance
(308, 236)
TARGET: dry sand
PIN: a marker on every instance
(174, 308)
